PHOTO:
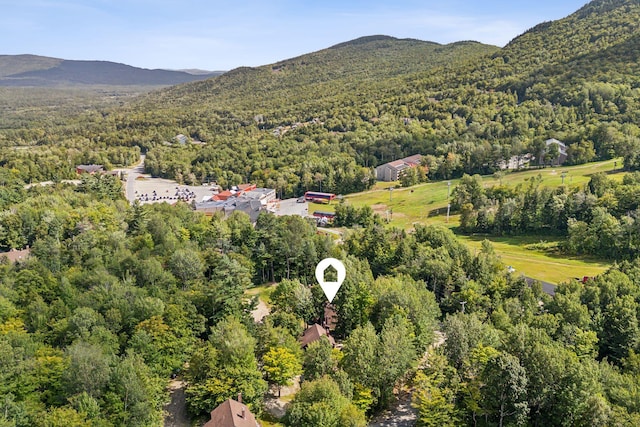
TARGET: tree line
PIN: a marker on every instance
(116, 298)
(599, 219)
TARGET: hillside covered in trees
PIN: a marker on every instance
(115, 299)
(326, 118)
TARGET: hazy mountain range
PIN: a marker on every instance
(40, 71)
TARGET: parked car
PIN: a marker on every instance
(300, 199)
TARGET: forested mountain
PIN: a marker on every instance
(31, 70)
(598, 43)
(327, 118)
(113, 299)
(467, 105)
(308, 106)
(347, 76)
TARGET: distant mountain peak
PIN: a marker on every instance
(603, 6)
(363, 40)
(375, 38)
(33, 70)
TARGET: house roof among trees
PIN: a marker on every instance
(16, 255)
(232, 413)
(90, 168)
(314, 333)
(404, 163)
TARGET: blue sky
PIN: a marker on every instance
(221, 34)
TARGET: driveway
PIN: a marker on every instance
(402, 415)
(547, 288)
(261, 311)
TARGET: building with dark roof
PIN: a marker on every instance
(313, 334)
(90, 169)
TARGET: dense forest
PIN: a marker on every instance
(115, 298)
(327, 118)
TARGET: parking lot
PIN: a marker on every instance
(292, 207)
(151, 190)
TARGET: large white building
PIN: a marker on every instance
(393, 170)
(562, 149)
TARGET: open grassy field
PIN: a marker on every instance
(537, 257)
(263, 292)
(427, 204)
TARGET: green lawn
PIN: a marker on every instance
(263, 292)
(537, 257)
(268, 420)
(427, 204)
(265, 423)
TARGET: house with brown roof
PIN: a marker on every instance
(90, 169)
(393, 170)
(16, 255)
(232, 413)
(313, 334)
(330, 317)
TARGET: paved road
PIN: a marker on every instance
(132, 175)
(547, 288)
(45, 183)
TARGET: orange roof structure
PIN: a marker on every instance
(224, 195)
(246, 187)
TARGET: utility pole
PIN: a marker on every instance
(449, 204)
(390, 192)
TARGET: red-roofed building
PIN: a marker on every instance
(224, 195)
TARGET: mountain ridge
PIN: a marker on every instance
(334, 114)
(371, 58)
(41, 71)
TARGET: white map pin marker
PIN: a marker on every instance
(330, 288)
